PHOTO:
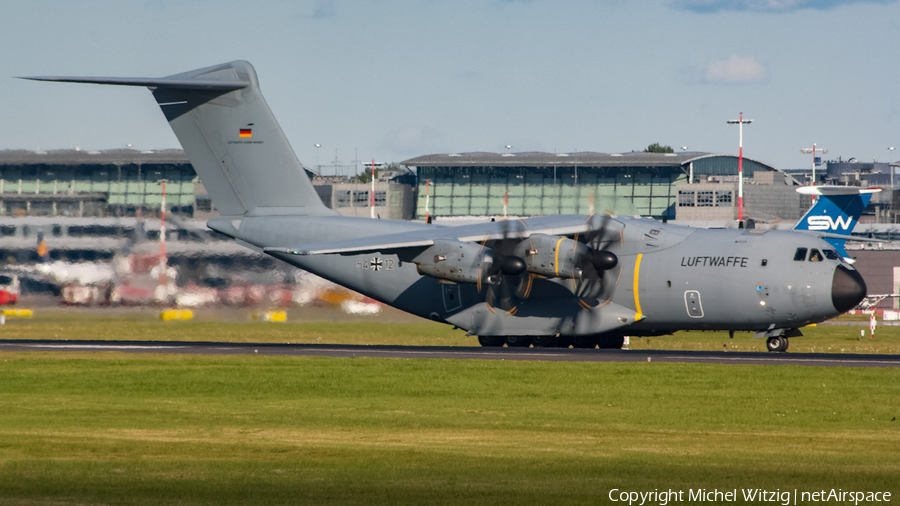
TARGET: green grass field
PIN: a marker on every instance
(114, 428)
(111, 428)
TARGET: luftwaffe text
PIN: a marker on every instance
(714, 261)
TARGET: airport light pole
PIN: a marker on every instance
(813, 151)
(891, 166)
(318, 169)
(554, 166)
(740, 122)
(575, 159)
(506, 193)
(427, 185)
(162, 289)
(691, 168)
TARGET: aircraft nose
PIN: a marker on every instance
(847, 289)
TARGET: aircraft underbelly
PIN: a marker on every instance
(483, 320)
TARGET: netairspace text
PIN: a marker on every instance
(752, 495)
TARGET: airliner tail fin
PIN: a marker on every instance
(835, 211)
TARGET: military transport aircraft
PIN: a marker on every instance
(583, 281)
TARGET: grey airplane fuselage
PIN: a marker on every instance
(671, 277)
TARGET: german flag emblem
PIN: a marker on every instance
(246, 132)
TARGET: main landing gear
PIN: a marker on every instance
(777, 343)
(493, 341)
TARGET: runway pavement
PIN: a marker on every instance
(452, 352)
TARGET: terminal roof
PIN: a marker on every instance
(540, 159)
(79, 157)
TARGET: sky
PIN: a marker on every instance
(394, 79)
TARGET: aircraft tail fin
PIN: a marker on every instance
(231, 138)
(835, 211)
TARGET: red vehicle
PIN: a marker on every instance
(9, 290)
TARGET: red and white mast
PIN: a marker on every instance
(740, 122)
(373, 188)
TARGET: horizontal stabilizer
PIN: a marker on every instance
(835, 190)
(183, 84)
(841, 237)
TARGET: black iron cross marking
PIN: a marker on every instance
(376, 264)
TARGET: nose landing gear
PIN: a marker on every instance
(777, 339)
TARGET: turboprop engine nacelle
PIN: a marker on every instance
(552, 256)
(463, 262)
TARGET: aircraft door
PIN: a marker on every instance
(809, 294)
(692, 304)
(452, 301)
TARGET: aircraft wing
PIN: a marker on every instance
(426, 236)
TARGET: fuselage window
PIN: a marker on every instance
(815, 256)
(831, 254)
(800, 255)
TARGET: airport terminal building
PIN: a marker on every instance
(683, 186)
(94, 184)
(126, 183)
(690, 186)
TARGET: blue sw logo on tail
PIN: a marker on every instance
(835, 212)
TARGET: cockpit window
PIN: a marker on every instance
(831, 254)
(800, 255)
(815, 256)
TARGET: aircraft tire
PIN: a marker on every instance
(777, 343)
(584, 342)
(518, 341)
(611, 342)
(563, 342)
(544, 341)
(493, 341)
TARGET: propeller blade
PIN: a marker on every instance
(503, 276)
(593, 287)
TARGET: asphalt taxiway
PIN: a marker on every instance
(455, 352)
